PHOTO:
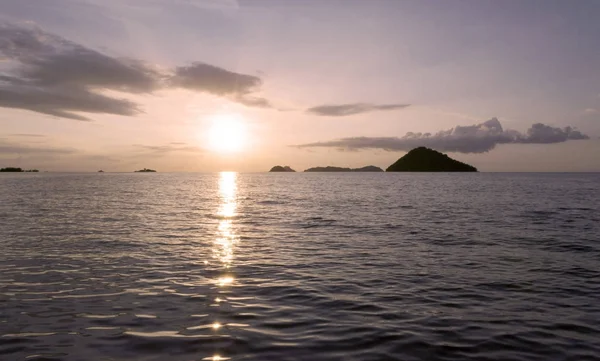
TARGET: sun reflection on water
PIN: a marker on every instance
(224, 244)
(224, 281)
(226, 238)
(216, 358)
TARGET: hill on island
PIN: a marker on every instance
(145, 170)
(279, 168)
(428, 160)
(18, 170)
(369, 168)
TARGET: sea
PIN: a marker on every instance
(299, 266)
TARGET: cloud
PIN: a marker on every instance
(479, 138)
(47, 60)
(171, 147)
(54, 76)
(62, 102)
(8, 148)
(252, 101)
(48, 74)
(544, 134)
(590, 111)
(27, 135)
(221, 82)
(215, 80)
(342, 110)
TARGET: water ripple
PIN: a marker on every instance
(300, 267)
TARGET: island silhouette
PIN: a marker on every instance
(279, 168)
(369, 168)
(145, 170)
(17, 170)
(423, 159)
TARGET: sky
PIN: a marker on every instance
(243, 85)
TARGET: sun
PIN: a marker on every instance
(227, 133)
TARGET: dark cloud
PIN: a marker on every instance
(252, 101)
(51, 75)
(54, 76)
(82, 67)
(62, 102)
(218, 81)
(215, 80)
(542, 134)
(351, 109)
(479, 138)
(47, 60)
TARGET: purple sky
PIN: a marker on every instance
(125, 84)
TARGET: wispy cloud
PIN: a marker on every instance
(63, 102)
(252, 101)
(54, 76)
(341, 110)
(27, 135)
(169, 148)
(478, 138)
(12, 148)
(211, 79)
(215, 80)
(48, 74)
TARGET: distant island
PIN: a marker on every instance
(369, 168)
(279, 168)
(17, 170)
(145, 170)
(423, 159)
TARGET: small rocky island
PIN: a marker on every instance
(145, 170)
(279, 168)
(423, 159)
(18, 170)
(369, 168)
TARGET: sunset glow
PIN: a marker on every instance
(216, 180)
(227, 133)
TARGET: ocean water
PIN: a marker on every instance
(312, 266)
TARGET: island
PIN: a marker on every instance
(145, 170)
(423, 159)
(100, 171)
(279, 168)
(18, 170)
(369, 168)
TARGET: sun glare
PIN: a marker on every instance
(227, 133)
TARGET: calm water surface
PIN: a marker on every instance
(299, 266)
